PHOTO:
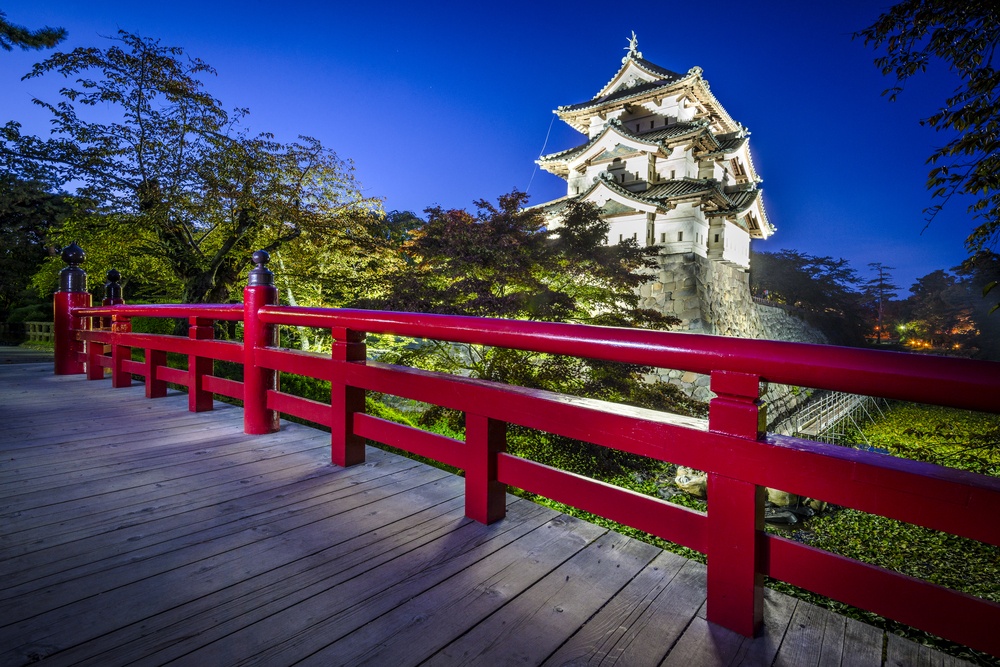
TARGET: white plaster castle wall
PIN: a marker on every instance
(627, 227)
(737, 246)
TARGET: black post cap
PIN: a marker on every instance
(72, 278)
(260, 274)
(112, 288)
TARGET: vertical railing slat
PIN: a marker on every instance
(120, 325)
(735, 512)
(346, 448)
(199, 400)
(485, 495)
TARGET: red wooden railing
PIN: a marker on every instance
(740, 459)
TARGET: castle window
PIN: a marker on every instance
(651, 124)
(673, 173)
(663, 237)
(716, 238)
(635, 236)
(621, 238)
(680, 236)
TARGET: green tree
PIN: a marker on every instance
(879, 291)
(823, 288)
(938, 313)
(502, 261)
(980, 272)
(12, 35)
(174, 172)
(963, 35)
(27, 212)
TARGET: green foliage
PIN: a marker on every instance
(34, 312)
(823, 288)
(504, 262)
(878, 291)
(945, 436)
(176, 180)
(948, 312)
(155, 325)
(12, 35)
(981, 274)
(962, 34)
(28, 210)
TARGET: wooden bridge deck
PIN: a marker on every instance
(133, 532)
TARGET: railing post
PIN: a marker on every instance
(736, 512)
(485, 496)
(199, 400)
(155, 387)
(120, 324)
(346, 448)
(112, 297)
(112, 293)
(260, 291)
(72, 294)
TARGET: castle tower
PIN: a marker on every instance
(669, 167)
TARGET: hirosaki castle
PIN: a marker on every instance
(668, 166)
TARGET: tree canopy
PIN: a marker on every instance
(27, 212)
(823, 288)
(502, 261)
(176, 178)
(12, 35)
(964, 35)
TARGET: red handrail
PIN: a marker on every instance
(730, 446)
(899, 375)
(209, 311)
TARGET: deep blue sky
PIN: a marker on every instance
(445, 103)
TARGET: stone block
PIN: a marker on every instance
(702, 394)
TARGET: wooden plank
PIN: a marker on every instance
(902, 652)
(283, 588)
(40, 458)
(128, 544)
(864, 645)
(131, 499)
(75, 488)
(705, 643)
(640, 624)
(118, 457)
(190, 487)
(76, 420)
(58, 607)
(814, 637)
(167, 634)
(477, 561)
(533, 625)
(135, 591)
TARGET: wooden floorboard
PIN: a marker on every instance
(133, 532)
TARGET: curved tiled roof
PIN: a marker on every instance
(728, 143)
(684, 187)
(620, 94)
(730, 203)
(659, 135)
